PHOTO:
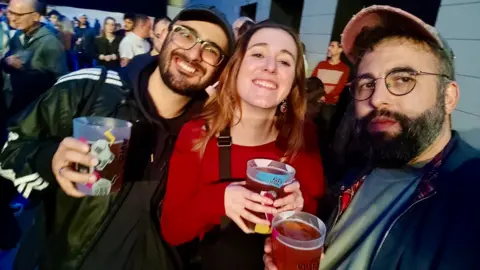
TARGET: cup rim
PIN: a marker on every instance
(294, 243)
(87, 120)
(289, 168)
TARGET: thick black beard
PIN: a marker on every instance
(415, 137)
(176, 83)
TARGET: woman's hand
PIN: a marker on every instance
(294, 201)
(239, 201)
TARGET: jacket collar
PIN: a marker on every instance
(41, 32)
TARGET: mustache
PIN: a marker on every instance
(387, 114)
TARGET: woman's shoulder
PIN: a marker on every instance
(189, 135)
(193, 129)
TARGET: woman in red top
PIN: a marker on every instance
(265, 73)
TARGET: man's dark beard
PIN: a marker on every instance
(415, 136)
(175, 83)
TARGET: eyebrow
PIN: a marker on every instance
(196, 34)
(264, 44)
(399, 68)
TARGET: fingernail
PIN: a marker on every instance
(94, 162)
(92, 178)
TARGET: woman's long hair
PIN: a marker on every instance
(219, 111)
(102, 33)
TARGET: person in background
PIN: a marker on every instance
(97, 28)
(128, 24)
(106, 46)
(238, 23)
(413, 205)
(84, 43)
(315, 97)
(121, 230)
(158, 34)
(65, 32)
(36, 57)
(134, 42)
(75, 23)
(334, 74)
(260, 102)
(45, 20)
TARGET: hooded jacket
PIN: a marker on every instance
(44, 61)
(73, 226)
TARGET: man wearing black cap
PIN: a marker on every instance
(121, 230)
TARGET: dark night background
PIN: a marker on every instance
(154, 8)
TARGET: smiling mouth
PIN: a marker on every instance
(265, 84)
(185, 66)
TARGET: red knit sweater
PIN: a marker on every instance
(194, 201)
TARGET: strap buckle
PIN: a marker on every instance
(224, 141)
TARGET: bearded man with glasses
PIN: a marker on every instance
(158, 95)
(415, 205)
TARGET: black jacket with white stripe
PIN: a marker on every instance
(73, 226)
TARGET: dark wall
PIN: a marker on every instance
(287, 12)
(155, 8)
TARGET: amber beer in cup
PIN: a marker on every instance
(267, 177)
(297, 241)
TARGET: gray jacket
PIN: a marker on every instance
(44, 61)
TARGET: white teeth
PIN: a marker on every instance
(184, 66)
(265, 84)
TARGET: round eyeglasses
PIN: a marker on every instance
(399, 82)
(187, 39)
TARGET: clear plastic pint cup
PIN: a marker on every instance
(267, 177)
(297, 241)
(108, 139)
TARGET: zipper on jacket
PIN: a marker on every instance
(393, 224)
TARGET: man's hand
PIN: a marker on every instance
(113, 57)
(69, 152)
(14, 61)
(267, 258)
(108, 58)
(101, 57)
(79, 41)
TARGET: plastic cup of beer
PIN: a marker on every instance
(108, 139)
(297, 240)
(268, 178)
